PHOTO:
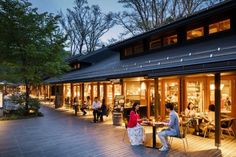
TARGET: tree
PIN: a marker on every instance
(31, 45)
(145, 15)
(84, 26)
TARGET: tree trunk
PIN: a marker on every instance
(27, 96)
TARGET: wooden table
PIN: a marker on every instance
(154, 126)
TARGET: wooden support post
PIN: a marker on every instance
(181, 95)
(148, 100)
(105, 92)
(71, 94)
(217, 110)
(157, 105)
(82, 93)
(98, 91)
(91, 93)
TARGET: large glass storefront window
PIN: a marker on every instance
(172, 93)
(87, 91)
(109, 95)
(117, 89)
(95, 91)
(101, 92)
(133, 91)
(226, 97)
(195, 94)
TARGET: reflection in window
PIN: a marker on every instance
(219, 26)
(195, 33)
(226, 96)
(169, 40)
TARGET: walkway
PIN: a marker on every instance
(60, 134)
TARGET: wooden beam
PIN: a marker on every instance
(148, 99)
(98, 91)
(82, 93)
(181, 95)
(157, 105)
(71, 94)
(105, 92)
(217, 110)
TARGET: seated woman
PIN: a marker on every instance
(135, 130)
(209, 119)
(190, 111)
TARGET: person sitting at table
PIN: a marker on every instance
(135, 130)
(210, 119)
(96, 106)
(173, 127)
(190, 111)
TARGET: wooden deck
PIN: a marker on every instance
(59, 133)
(197, 146)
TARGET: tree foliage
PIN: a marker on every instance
(144, 15)
(84, 26)
(31, 45)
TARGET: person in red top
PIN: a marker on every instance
(135, 130)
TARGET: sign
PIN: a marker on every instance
(1, 99)
(115, 80)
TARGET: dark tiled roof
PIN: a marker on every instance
(159, 64)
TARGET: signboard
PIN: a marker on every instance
(1, 99)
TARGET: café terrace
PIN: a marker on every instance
(192, 59)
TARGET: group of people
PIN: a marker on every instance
(99, 109)
(136, 131)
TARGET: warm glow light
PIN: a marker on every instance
(143, 86)
(212, 86)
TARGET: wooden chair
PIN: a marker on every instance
(125, 132)
(183, 133)
(226, 125)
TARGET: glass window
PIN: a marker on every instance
(117, 89)
(87, 91)
(109, 94)
(195, 33)
(128, 51)
(101, 92)
(169, 40)
(95, 91)
(171, 93)
(195, 94)
(133, 91)
(138, 48)
(155, 44)
(219, 26)
(226, 97)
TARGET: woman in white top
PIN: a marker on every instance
(190, 111)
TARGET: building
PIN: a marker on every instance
(190, 60)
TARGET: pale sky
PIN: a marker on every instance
(53, 6)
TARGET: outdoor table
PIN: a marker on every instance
(154, 126)
(197, 130)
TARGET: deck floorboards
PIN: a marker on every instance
(59, 133)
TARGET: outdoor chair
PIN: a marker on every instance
(183, 133)
(125, 132)
(226, 125)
